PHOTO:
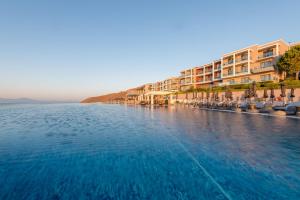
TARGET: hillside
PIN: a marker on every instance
(105, 98)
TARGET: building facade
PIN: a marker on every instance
(253, 63)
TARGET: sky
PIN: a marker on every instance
(70, 49)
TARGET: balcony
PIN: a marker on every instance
(247, 80)
(268, 54)
(242, 59)
(241, 72)
(208, 70)
(227, 74)
(208, 78)
(262, 69)
(199, 81)
(217, 77)
(217, 68)
(228, 63)
(200, 72)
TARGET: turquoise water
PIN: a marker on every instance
(72, 151)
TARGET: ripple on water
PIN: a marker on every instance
(72, 151)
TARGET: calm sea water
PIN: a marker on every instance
(72, 151)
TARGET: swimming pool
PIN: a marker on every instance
(97, 151)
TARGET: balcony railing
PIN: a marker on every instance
(230, 62)
(208, 78)
(200, 81)
(241, 72)
(208, 70)
(246, 81)
(238, 60)
(217, 68)
(266, 78)
(262, 69)
(227, 74)
(266, 55)
(200, 72)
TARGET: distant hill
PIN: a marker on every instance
(105, 98)
(20, 100)
(25, 101)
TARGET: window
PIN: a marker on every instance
(268, 53)
(231, 81)
(245, 80)
(266, 77)
(266, 64)
(244, 68)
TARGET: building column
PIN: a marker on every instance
(233, 64)
(249, 56)
(152, 99)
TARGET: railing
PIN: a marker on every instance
(228, 74)
(266, 64)
(218, 68)
(200, 72)
(266, 79)
(241, 59)
(242, 71)
(262, 69)
(208, 70)
(228, 63)
(245, 81)
(199, 81)
(266, 55)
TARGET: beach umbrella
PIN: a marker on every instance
(222, 97)
(265, 93)
(272, 96)
(253, 89)
(207, 94)
(230, 95)
(213, 96)
(217, 96)
(292, 95)
(186, 96)
(282, 88)
(247, 94)
(202, 95)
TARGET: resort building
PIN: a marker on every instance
(170, 84)
(253, 63)
(187, 78)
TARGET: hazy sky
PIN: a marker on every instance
(68, 50)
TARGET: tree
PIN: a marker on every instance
(290, 61)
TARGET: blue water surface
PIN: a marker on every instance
(73, 151)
